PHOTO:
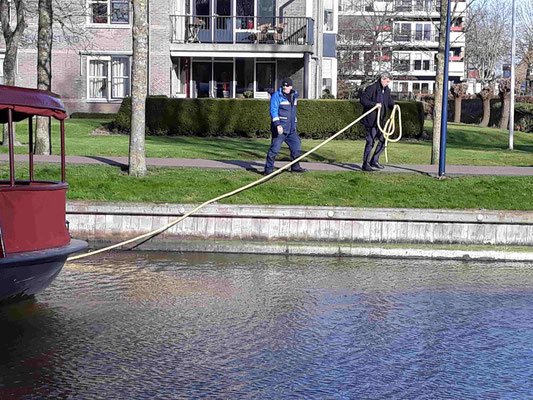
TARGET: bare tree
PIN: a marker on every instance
(458, 90)
(12, 37)
(137, 154)
(44, 69)
(369, 32)
(487, 47)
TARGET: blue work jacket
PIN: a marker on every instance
(283, 112)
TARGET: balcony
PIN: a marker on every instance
(417, 36)
(290, 31)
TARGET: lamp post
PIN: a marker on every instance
(444, 117)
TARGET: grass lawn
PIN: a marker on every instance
(356, 189)
(467, 145)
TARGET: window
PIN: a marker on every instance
(416, 88)
(266, 77)
(401, 61)
(427, 31)
(328, 15)
(1, 70)
(108, 78)
(109, 12)
(418, 33)
(425, 88)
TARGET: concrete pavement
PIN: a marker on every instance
(258, 165)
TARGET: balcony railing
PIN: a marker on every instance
(416, 36)
(417, 6)
(232, 29)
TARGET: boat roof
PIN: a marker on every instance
(26, 102)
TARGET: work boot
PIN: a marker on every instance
(366, 167)
(299, 170)
(267, 172)
(377, 165)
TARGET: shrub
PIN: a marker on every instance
(317, 119)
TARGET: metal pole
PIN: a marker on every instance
(62, 128)
(513, 80)
(11, 148)
(30, 134)
(444, 117)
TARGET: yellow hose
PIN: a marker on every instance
(390, 127)
(241, 189)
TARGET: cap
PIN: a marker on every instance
(286, 82)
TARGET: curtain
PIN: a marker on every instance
(98, 79)
(120, 72)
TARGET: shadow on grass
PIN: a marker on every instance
(219, 148)
(468, 137)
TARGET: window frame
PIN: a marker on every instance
(109, 14)
(109, 78)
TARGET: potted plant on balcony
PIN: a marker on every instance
(248, 94)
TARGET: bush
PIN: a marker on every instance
(317, 119)
(524, 117)
(82, 115)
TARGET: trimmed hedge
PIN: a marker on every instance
(82, 115)
(317, 119)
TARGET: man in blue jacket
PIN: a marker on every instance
(283, 125)
(376, 94)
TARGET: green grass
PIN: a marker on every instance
(354, 189)
(466, 145)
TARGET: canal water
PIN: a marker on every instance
(185, 326)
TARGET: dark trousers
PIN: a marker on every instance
(292, 140)
(373, 134)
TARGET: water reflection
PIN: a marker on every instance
(172, 326)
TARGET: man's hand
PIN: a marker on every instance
(280, 130)
(379, 105)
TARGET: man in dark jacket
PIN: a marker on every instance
(283, 125)
(376, 94)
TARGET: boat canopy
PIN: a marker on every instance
(26, 102)
(19, 103)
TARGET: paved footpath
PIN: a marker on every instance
(451, 170)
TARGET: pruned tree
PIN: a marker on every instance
(12, 35)
(488, 46)
(504, 89)
(137, 154)
(458, 90)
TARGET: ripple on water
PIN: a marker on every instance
(161, 325)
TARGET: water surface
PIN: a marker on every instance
(179, 326)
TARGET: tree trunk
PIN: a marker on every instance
(11, 38)
(137, 155)
(439, 84)
(457, 111)
(506, 108)
(44, 70)
(486, 112)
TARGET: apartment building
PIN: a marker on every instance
(400, 36)
(197, 48)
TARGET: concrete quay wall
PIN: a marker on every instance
(102, 223)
